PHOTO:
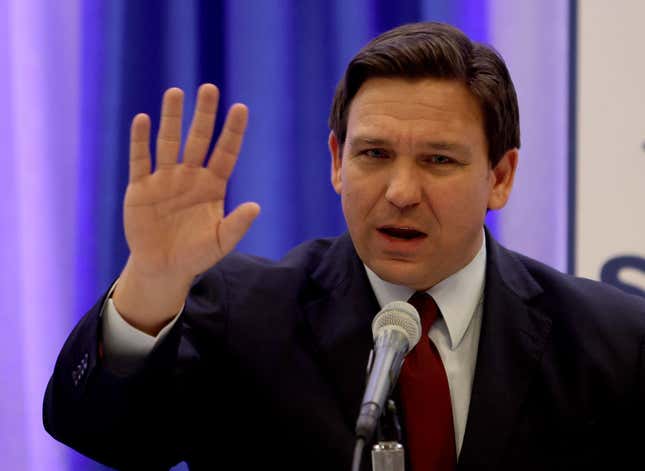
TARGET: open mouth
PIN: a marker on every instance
(403, 233)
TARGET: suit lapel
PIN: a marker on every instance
(339, 318)
(513, 336)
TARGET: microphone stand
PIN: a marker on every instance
(388, 453)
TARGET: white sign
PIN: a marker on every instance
(609, 210)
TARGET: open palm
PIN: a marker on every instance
(174, 217)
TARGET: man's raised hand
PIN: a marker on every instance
(174, 217)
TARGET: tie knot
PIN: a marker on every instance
(427, 308)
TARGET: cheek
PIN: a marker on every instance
(351, 202)
(462, 202)
(360, 198)
(347, 197)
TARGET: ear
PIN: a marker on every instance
(336, 162)
(503, 176)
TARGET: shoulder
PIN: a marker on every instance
(587, 304)
(238, 273)
(298, 262)
(583, 329)
(580, 291)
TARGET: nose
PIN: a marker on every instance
(404, 186)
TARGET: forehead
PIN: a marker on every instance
(424, 105)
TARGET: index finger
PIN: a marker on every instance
(229, 142)
(139, 147)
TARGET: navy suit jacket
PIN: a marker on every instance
(266, 366)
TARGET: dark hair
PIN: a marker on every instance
(436, 50)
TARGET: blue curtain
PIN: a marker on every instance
(77, 71)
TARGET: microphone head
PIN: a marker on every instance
(401, 316)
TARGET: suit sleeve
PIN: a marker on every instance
(131, 422)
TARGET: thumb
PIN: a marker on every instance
(236, 224)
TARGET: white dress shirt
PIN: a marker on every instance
(455, 333)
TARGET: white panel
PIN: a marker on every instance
(610, 171)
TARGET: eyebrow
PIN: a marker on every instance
(358, 141)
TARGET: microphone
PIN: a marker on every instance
(396, 329)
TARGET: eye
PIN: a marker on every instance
(374, 153)
(440, 160)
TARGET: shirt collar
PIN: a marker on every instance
(457, 296)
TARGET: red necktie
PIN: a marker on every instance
(425, 398)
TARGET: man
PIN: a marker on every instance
(204, 355)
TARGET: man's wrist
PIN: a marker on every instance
(149, 303)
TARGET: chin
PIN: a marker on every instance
(401, 273)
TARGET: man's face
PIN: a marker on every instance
(415, 179)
